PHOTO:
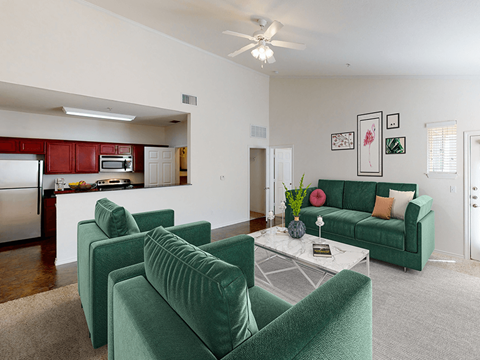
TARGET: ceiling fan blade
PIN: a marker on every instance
(228, 32)
(245, 48)
(272, 29)
(289, 45)
(271, 60)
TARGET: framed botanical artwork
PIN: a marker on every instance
(395, 145)
(393, 121)
(343, 141)
(369, 144)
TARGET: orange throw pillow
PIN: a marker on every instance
(383, 207)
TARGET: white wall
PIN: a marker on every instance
(72, 47)
(176, 135)
(305, 112)
(258, 166)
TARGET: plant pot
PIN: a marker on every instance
(296, 228)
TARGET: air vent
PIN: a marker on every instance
(258, 131)
(189, 99)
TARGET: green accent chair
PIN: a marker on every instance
(347, 214)
(113, 240)
(188, 302)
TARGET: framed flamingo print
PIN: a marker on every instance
(370, 144)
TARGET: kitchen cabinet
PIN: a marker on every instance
(86, 158)
(8, 145)
(31, 146)
(115, 149)
(49, 217)
(60, 157)
(138, 158)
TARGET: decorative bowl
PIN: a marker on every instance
(74, 186)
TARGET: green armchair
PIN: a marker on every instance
(98, 255)
(333, 322)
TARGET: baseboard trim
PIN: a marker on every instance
(461, 256)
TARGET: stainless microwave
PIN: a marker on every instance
(116, 163)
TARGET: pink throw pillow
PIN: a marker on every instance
(318, 197)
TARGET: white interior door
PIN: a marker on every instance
(159, 166)
(475, 197)
(283, 175)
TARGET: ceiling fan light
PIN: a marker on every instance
(261, 49)
(262, 57)
(255, 53)
(269, 53)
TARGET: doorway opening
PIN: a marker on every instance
(258, 177)
(472, 195)
(181, 165)
(281, 172)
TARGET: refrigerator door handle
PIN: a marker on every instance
(39, 188)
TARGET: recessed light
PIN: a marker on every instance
(97, 114)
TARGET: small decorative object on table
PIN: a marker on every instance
(296, 228)
(270, 217)
(322, 250)
(320, 223)
(282, 209)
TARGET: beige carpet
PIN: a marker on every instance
(49, 325)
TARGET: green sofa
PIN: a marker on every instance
(347, 214)
(186, 302)
(98, 255)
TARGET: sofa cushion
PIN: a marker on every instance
(210, 295)
(383, 188)
(309, 214)
(400, 202)
(359, 195)
(113, 219)
(389, 233)
(317, 197)
(383, 208)
(333, 190)
(343, 222)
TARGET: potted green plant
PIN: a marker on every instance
(296, 228)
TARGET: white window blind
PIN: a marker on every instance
(442, 148)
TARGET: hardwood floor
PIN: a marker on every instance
(28, 267)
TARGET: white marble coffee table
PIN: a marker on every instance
(300, 253)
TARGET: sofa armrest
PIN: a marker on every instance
(149, 220)
(333, 322)
(305, 203)
(415, 211)
(196, 233)
(238, 251)
(115, 277)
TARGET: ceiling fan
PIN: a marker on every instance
(260, 40)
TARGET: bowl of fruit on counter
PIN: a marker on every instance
(81, 185)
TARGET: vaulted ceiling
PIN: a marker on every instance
(376, 37)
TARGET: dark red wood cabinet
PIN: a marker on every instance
(8, 145)
(86, 158)
(31, 146)
(115, 149)
(49, 217)
(138, 158)
(60, 157)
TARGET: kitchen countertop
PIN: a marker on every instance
(53, 193)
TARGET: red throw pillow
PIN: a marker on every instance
(318, 197)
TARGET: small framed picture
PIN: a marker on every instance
(395, 145)
(393, 121)
(343, 141)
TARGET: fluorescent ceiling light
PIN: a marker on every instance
(97, 114)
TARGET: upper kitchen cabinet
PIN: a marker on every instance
(31, 146)
(115, 149)
(60, 157)
(138, 158)
(8, 145)
(86, 158)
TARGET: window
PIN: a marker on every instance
(442, 149)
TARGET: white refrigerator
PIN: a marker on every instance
(21, 193)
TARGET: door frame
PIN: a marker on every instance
(271, 172)
(467, 138)
(250, 147)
